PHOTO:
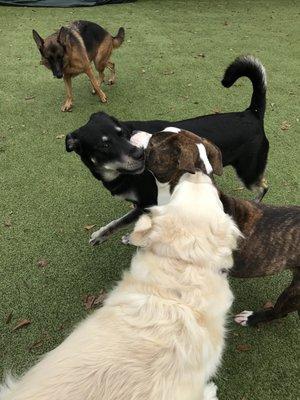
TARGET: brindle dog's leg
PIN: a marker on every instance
(288, 301)
(69, 100)
(95, 83)
(111, 66)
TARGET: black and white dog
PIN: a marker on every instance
(104, 147)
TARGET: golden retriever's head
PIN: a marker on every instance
(186, 237)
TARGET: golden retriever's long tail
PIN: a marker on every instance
(119, 38)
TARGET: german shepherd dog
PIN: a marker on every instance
(70, 51)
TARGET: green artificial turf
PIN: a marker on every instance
(47, 196)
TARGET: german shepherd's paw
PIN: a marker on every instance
(98, 237)
(103, 98)
(210, 392)
(67, 106)
(242, 318)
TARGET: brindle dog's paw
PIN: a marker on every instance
(98, 237)
(242, 318)
(210, 391)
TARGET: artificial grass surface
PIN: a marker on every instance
(48, 196)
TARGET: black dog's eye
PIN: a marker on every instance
(119, 131)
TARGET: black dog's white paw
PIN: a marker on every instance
(126, 239)
(242, 318)
(98, 237)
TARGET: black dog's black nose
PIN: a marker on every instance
(138, 154)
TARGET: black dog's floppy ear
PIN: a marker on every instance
(72, 143)
(38, 40)
(63, 36)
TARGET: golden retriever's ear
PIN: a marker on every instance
(214, 156)
(186, 160)
(139, 236)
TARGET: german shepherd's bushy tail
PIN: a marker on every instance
(119, 38)
(253, 69)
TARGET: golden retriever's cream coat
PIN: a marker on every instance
(160, 334)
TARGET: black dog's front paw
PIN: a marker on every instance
(98, 237)
(126, 239)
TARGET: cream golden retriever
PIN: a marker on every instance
(160, 334)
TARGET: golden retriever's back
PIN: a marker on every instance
(160, 334)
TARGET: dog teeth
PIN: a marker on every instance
(242, 318)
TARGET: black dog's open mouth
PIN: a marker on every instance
(136, 171)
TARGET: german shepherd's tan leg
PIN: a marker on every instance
(95, 84)
(67, 106)
(111, 66)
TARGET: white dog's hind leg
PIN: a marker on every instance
(210, 392)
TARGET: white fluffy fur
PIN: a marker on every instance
(160, 334)
(140, 139)
(203, 156)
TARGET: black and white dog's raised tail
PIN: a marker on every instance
(252, 68)
(104, 147)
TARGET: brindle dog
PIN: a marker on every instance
(271, 241)
(70, 51)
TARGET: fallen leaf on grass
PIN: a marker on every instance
(89, 227)
(226, 23)
(60, 136)
(216, 110)
(168, 73)
(38, 343)
(7, 223)
(8, 317)
(42, 263)
(285, 126)
(239, 188)
(100, 298)
(267, 305)
(22, 324)
(243, 347)
(88, 301)
(91, 301)
(29, 97)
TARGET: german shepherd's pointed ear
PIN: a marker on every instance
(38, 40)
(62, 36)
(214, 156)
